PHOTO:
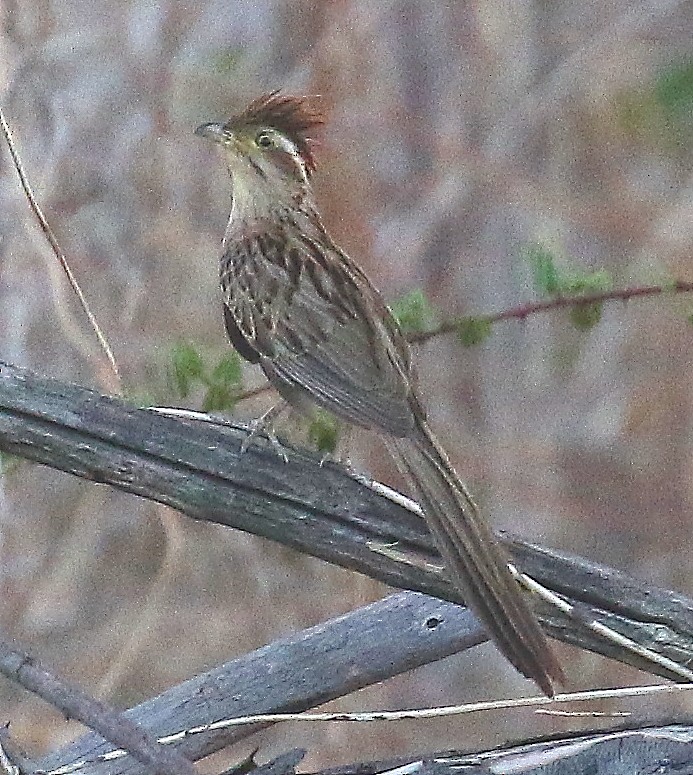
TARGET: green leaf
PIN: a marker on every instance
(586, 316)
(579, 282)
(413, 312)
(472, 331)
(547, 280)
(674, 92)
(219, 397)
(224, 384)
(228, 371)
(324, 431)
(551, 280)
(186, 367)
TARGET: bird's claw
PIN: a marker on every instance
(265, 424)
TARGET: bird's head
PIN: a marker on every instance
(268, 147)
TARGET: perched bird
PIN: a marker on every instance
(298, 306)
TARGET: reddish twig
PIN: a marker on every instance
(252, 392)
(558, 302)
(527, 310)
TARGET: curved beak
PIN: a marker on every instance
(212, 131)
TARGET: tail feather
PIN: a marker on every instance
(473, 557)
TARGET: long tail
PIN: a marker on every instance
(474, 559)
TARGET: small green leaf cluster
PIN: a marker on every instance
(554, 281)
(661, 113)
(222, 381)
(324, 431)
(414, 312)
(473, 330)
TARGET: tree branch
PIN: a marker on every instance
(74, 703)
(325, 511)
(666, 750)
(293, 674)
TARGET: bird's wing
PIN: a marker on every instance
(320, 328)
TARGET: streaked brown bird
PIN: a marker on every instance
(298, 306)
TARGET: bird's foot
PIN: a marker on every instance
(265, 424)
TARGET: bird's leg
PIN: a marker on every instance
(265, 424)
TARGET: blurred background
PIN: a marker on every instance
(463, 138)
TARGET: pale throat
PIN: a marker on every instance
(259, 203)
(253, 199)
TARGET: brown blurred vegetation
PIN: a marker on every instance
(460, 133)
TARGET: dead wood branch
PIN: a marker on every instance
(324, 511)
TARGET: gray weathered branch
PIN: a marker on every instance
(323, 511)
(74, 703)
(666, 750)
(292, 674)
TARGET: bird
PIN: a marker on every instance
(298, 306)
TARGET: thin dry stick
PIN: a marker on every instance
(53, 242)
(440, 712)
(401, 715)
(112, 725)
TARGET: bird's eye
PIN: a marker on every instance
(264, 140)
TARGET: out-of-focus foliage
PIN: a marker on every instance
(414, 312)
(473, 330)
(661, 112)
(323, 431)
(221, 381)
(674, 92)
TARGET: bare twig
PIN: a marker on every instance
(591, 695)
(543, 705)
(113, 726)
(253, 392)
(57, 250)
